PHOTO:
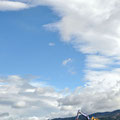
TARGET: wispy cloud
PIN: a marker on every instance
(72, 71)
(70, 68)
(51, 44)
(66, 61)
(98, 61)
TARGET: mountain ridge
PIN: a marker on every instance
(114, 115)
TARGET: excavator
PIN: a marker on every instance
(86, 116)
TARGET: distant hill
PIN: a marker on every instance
(115, 115)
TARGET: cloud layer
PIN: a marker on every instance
(21, 100)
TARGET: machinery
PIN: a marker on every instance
(86, 116)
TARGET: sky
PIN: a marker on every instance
(58, 56)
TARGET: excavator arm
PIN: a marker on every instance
(85, 115)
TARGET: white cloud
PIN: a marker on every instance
(70, 68)
(93, 24)
(65, 62)
(20, 104)
(101, 93)
(99, 62)
(51, 44)
(35, 118)
(19, 98)
(12, 5)
(93, 28)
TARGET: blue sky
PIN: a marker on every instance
(25, 49)
(58, 56)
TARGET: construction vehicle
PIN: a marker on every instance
(85, 115)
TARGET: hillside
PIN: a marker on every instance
(115, 115)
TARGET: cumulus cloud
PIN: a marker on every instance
(92, 27)
(18, 97)
(93, 24)
(101, 93)
(20, 100)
